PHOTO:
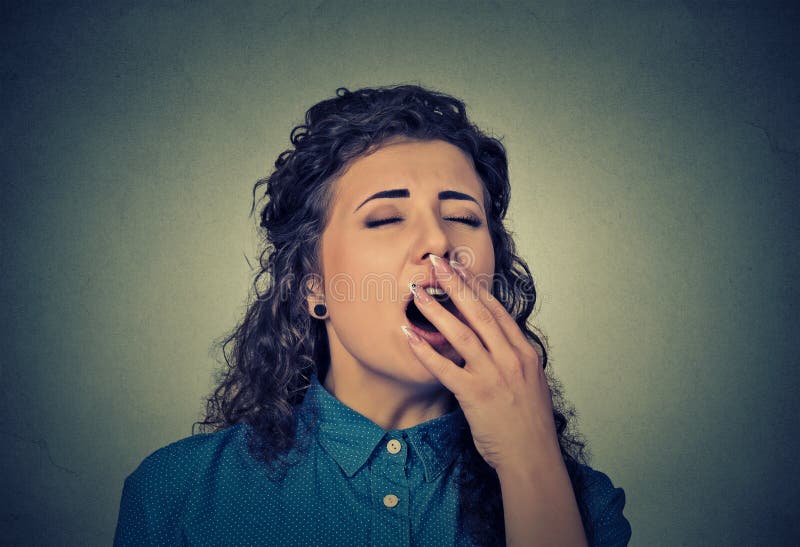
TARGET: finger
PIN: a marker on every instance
(443, 369)
(471, 306)
(504, 320)
(461, 337)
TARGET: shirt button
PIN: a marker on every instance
(390, 500)
(393, 446)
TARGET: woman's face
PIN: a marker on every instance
(367, 267)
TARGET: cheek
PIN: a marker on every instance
(484, 263)
(357, 290)
(352, 254)
(477, 253)
(489, 253)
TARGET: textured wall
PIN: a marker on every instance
(654, 162)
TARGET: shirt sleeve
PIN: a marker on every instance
(132, 526)
(154, 498)
(605, 502)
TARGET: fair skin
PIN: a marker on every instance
(367, 271)
(486, 364)
(504, 394)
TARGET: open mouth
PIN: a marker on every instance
(420, 321)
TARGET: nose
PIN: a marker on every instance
(431, 239)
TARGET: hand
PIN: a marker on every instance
(502, 387)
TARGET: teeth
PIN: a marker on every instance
(434, 291)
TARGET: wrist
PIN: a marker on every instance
(531, 464)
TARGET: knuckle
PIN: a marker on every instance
(517, 372)
(484, 393)
(497, 307)
(529, 353)
(464, 335)
(515, 363)
(485, 316)
(502, 315)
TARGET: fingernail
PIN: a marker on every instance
(439, 264)
(459, 268)
(415, 339)
(420, 294)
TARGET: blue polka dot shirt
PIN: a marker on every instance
(357, 484)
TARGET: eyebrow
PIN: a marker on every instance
(404, 193)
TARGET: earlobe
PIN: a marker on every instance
(316, 301)
(320, 311)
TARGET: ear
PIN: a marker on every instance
(313, 290)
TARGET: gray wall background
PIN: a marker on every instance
(654, 161)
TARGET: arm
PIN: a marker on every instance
(604, 503)
(132, 527)
(155, 495)
(503, 391)
(539, 504)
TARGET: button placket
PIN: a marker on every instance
(390, 491)
(392, 447)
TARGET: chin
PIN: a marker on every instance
(416, 373)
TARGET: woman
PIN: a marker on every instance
(384, 386)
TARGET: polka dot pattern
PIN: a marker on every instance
(357, 485)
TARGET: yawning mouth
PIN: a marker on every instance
(419, 320)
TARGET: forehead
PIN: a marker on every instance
(422, 166)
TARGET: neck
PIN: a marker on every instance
(386, 401)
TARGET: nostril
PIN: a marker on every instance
(445, 256)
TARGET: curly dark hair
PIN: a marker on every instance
(272, 352)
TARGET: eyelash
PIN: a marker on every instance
(471, 221)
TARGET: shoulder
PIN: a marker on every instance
(596, 484)
(155, 494)
(604, 503)
(184, 460)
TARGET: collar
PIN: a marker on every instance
(350, 438)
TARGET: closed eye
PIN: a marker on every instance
(469, 220)
(381, 222)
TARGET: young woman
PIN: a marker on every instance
(384, 386)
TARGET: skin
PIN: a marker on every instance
(366, 272)
(505, 397)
